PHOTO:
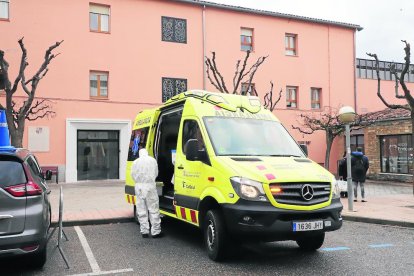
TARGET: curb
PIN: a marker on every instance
(379, 221)
(131, 219)
(93, 221)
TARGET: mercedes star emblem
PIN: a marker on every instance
(307, 192)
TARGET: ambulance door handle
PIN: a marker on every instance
(180, 167)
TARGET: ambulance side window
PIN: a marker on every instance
(138, 141)
(191, 130)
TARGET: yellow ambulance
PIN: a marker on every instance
(229, 167)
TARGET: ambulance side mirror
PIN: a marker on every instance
(191, 150)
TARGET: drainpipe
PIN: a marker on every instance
(355, 84)
(204, 46)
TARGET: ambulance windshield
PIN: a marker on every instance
(250, 137)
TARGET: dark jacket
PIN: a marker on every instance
(359, 175)
(342, 171)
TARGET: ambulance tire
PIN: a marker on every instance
(311, 243)
(215, 235)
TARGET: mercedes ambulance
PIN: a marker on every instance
(229, 167)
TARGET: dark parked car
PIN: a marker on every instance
(25, 212)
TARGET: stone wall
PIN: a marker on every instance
(372, 147)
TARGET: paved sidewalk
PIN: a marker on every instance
(91, 202)
(387, 203)
(97, 202)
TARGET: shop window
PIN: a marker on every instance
(396, 154)
(174, 29)
(316, 98)
(291, 44)
(99, 18)
(357, 141)
(172, 87)
(245, 89)
(4, 9)
(98, 82)
(292, 97)
(246, 38)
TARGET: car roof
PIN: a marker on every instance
(20, 153)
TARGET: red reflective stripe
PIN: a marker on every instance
(182, 210)
(270, 176)
(193, 216)
(261, 167)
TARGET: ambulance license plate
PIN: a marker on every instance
(307, 225)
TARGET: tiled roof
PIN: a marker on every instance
(389, 114)
(271, 13)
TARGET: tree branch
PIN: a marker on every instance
(223, 84)
(407, 93)
(393, 106)
(240, 76)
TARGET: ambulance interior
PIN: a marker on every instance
(165, 143)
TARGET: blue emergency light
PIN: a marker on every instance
(4, 133)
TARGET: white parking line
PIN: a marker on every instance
(105, 272)
(92, 261)
(91, 258)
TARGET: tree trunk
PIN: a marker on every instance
(16, 136)
(328, 149)
(412, 145)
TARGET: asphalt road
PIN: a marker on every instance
(118, 249)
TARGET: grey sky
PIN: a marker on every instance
(385, 22)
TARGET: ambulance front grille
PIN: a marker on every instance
(291, 193)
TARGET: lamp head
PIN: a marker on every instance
(346, 114)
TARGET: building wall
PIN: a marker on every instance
(136, 59)
(368, 101)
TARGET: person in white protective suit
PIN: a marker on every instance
(144, 171)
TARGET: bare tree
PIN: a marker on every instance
(329, 122)
(30, 109)
(399, 80)
(243, 74)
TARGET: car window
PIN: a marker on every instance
(11, 173)
(191, 130)
(34, 169)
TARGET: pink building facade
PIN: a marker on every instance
(121, 56)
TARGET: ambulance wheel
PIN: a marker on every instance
(311, 243)
(215, 235)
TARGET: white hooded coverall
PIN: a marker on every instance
(144, 171)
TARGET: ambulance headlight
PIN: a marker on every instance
(248, 189)
(336, 191)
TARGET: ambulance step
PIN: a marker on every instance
(166, 203)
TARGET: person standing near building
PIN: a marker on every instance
(359, 168)
(144, 172)
(342, 171)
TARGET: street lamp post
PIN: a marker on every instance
(347, 116)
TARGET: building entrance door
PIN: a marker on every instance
(98, 154)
